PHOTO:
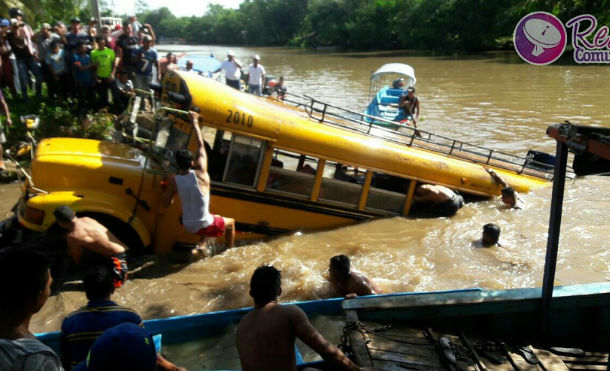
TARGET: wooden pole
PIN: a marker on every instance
(95, 9)
(559, 179)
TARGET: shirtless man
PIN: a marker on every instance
(489, 237)
(192, 183)
(91, 243)
(349, 283)
(446, 201)
(265, 336)
(510, 198)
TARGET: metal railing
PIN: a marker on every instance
(335, 116)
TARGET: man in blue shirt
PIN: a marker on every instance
(83, 75)
(147, 57)
(82, 327)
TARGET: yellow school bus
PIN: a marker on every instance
(275, 167)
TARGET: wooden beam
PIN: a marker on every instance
(315, 191)
(409, 200)
(365, 190)
(357, 341)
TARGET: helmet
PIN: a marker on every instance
(14, 12)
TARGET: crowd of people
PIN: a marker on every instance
(84, 62)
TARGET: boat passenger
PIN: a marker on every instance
(232, 68)
(265, 337)
(490, 236)
(510, 197)
(124, 347)
(280, 89)
(398, 83)
(347, 282)
(25, 286)
(447, 202)
(192, 183)
(256, 76)
(410, 104)
(90, 243)
(80, 328)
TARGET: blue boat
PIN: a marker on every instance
(384, 96)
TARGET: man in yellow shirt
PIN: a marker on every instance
(106, 68)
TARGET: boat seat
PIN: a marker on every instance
(388, 99)
(394, 92)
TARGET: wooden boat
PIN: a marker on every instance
(384, 98)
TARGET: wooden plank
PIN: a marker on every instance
(550, 361)
(396, 366)
(578, 367)
(405, 358)
(517, 361)
(469, 346)
(413, 342)
(358, 342)
(390, 346)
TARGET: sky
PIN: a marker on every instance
(179, 8)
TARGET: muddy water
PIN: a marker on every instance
(488, 100)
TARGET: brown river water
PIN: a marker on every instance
(493, 100)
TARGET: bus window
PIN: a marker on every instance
(387, 193)
(341, 184)
(291, 172)
(245, 156)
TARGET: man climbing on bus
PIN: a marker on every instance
(192, 183)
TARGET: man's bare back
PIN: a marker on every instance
(89, 234)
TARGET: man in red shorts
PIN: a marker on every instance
(192, 183)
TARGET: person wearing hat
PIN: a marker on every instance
(232, 68)
(256, 76)
(23, 48)
(44, 39)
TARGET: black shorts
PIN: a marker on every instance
(450, 207)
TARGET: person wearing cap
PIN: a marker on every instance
(232, 68)
(84, 70)
(105, 59)
(147, 58)
(25, 286)
(90, 243)
(59, 80)
(126, 47)
(91, 30)
(256, 76)
(22, 46)
(76, 36)
(44, 39)
(265, 337)
(125, 347)
(9, 74)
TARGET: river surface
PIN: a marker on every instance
(492, 100)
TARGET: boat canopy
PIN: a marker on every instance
(395, 68)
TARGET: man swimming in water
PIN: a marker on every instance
(90, 243)
(490, 236)
(192, 183)
(265, 337)
(510, 197)
(348, 282)
(446, 201)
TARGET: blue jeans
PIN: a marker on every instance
(234, 84)
(254, 89)
(25, 66)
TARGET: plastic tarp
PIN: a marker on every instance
(397, 68)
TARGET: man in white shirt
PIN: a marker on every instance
(256, 76)
(232, 68)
